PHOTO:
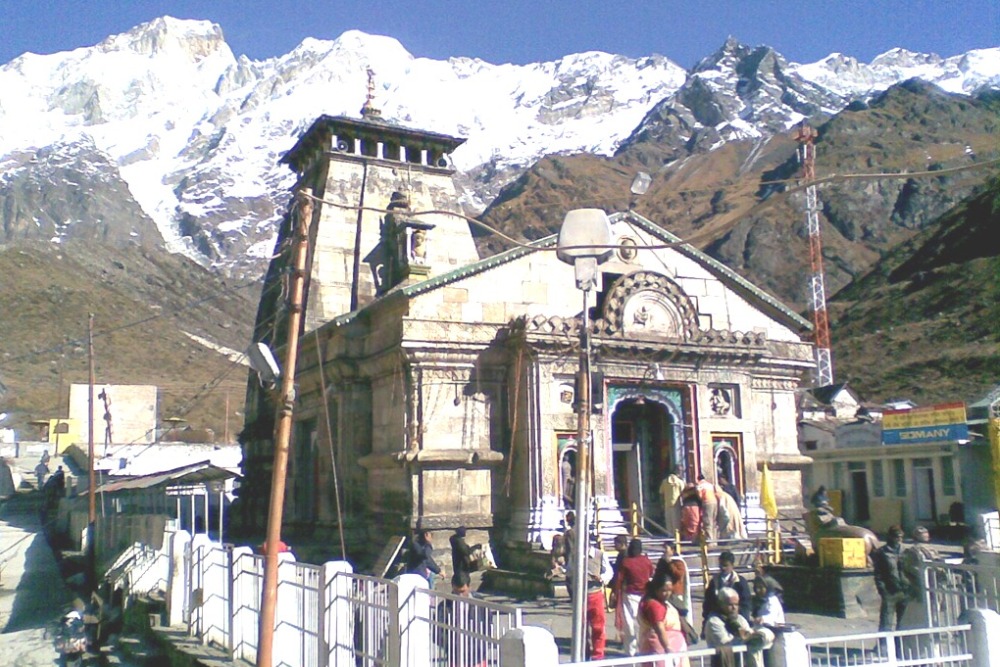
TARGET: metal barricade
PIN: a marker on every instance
(362, 621)
(951, 589)
(297, 628)
(926, 647)
(466, 630)
(247, 586)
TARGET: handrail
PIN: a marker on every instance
(812, 641)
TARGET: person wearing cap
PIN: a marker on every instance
(913, 562)
(71, 640)
(462, 559)
(890, 583)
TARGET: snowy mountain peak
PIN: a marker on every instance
(197, 133)
(192, 40)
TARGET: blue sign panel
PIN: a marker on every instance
(923, 434)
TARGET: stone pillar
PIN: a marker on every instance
(789, 650)
(528, 646)
(414, 612)
(177, 582)
(336, 630)
(985, 641)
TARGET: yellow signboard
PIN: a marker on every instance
(932, 415)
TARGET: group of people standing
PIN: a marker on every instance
(652, 607)
(701, 508)
(650, 601)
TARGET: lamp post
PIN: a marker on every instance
(584, 242)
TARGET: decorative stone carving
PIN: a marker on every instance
(627, 249)
(649, 303)
(721, 402)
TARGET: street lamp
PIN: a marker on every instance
(585, 242)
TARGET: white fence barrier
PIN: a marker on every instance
(326, 615)
(928, 647)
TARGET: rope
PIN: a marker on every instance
(329, 442)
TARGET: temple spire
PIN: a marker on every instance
(369, 111)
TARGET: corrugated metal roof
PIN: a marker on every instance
(195, 473)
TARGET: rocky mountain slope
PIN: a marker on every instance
(923, 322)
(158, 319)
(126, 165)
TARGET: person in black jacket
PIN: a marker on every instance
(889, 580)
(727, 577)
(461, 553)
(420, 558)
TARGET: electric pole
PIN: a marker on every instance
(301, 217)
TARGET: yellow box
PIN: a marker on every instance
(842, 552)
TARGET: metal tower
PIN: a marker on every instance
(817, 287)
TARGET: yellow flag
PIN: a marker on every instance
(767, 500)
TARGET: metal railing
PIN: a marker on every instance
(467, 631)
(361, 621)
(704, 657)
(247, 585)
(926, 647)
(949, 590)
(326, 616)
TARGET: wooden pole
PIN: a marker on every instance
(282, 433)
(91, 477)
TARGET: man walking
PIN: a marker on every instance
(709, 508)
(598, 576)
(889, 581)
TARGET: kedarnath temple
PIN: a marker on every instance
(437, 388)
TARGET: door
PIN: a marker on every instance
(628, 475)
(859, 494)
(924, 491)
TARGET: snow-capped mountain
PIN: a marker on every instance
(196, 132)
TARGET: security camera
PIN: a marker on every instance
(262, 361)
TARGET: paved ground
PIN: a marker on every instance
(556, 616)
(33, 595)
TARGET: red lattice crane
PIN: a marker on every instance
(817, 287)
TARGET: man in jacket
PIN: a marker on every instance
(727, 577)
(889, 581)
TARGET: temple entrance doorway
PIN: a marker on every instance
(643, 444)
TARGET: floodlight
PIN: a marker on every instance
(640, 184)
(585, 232)
(262, 360)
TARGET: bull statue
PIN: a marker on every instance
(822, 521)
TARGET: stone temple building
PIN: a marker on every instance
(437, 388)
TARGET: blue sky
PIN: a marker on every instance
(522, 31)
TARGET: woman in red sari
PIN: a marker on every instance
(660, 630)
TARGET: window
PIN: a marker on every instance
(878, 479)
(857, 465)
(810, 445)
(948, 476)
(899, 477)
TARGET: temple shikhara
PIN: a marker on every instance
(435, 387)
